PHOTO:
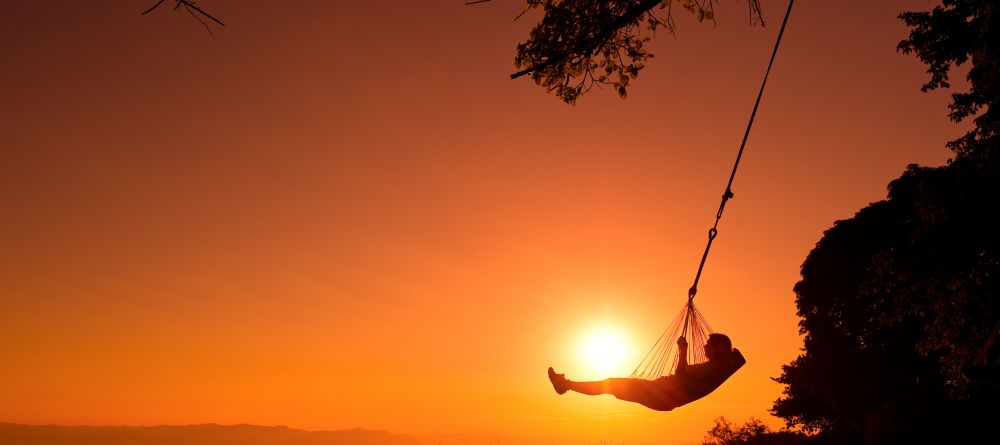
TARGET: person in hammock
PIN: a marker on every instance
(687, 384)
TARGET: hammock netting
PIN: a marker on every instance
(662, 358)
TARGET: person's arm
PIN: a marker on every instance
(682, 356)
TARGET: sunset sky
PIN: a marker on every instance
(340, 214)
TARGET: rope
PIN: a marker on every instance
(690, 321)
(714, 231)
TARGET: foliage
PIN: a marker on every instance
(899, 303)
(753, 432)
(950, 35)
(947, 274)
(582, 43)
(895, 303)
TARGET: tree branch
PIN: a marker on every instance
(588, 45)
(190, 7)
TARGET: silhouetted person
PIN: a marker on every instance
(687, 384)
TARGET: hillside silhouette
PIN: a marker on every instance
(208, 434)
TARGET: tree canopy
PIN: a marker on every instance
(900, 305)
(578, 44)
(895, 303)
(950, 35)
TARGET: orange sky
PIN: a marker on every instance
(341, 214)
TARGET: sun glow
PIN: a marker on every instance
(604, 352)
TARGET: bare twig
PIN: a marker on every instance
(189, 11)
(756, 16)
(152, 8)
(192, 9)
(521, 14)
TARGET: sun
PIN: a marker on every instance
(604, 350)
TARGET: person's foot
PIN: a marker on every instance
(559, 382)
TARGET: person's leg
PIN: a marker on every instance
(561, 384)
(606, 386)
(651, 394)
(625, 389)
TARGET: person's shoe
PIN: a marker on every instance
(558, 381)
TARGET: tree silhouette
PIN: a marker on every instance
(950, 35)
(753, 432)
(895, 303)
(582, 43)
(899, 304)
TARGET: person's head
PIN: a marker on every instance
(718, 347)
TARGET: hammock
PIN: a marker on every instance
(690, 324)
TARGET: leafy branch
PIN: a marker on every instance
(579, 44)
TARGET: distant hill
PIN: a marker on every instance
(208, 434)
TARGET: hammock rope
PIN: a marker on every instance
(690, 324)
